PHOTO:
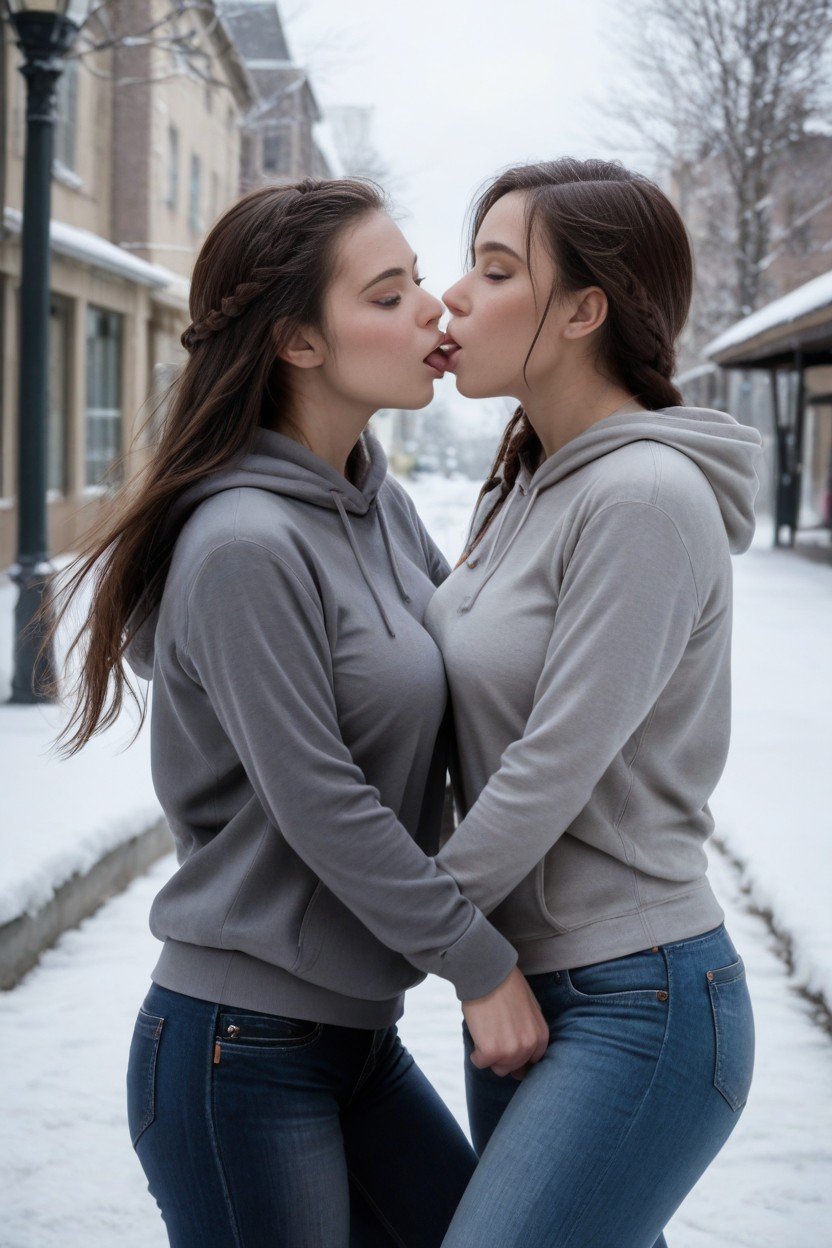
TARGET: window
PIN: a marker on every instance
(66, 116)
(195, 201)
(104, 336)
(58, 393)
(215, 195)
(172, 194)
(277, 152)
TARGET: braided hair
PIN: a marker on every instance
(261, 273)
(606, 226)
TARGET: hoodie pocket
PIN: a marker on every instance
(523, 915)
(338, 952)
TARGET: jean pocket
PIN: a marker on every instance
(141, 1074)
(262, 1032)
(733, 1032)
(639, 975)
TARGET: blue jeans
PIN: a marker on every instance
(302, 1135)
(646, 1075)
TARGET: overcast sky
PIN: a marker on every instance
(459, 91)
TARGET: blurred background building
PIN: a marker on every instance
(157, 133)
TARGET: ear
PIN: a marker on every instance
(590, 312)
(303, 348)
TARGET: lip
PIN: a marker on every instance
(441, 361)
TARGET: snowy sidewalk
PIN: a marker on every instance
(70, 1178)
(61, 819)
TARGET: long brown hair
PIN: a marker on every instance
(603, 226)
(262, 272)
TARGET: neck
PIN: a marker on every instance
(572, 406)
(328, 426)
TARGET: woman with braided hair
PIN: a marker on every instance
(586, 633)
(271, 579)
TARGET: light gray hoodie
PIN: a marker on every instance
(587, 642)
(299, 742)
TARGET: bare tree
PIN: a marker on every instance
(182, 28)
(723, 89)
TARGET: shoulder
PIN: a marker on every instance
(658, 476)
(240, 529)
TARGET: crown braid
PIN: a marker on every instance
(231, 306)
(243, 296)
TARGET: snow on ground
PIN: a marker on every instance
(60, 817)
(773, 805)
(70, 1177)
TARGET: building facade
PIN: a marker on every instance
(126, 219)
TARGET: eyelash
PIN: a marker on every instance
(395, 300)
(497, 277)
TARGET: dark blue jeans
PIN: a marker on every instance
(302, 1135)
(646, 1076)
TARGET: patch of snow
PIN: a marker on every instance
(809, 297)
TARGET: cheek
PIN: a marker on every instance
(378, 341)
(506, 328)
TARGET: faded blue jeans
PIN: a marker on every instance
(302, 1135)
(647, 1072)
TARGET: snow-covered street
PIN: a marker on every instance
(70, 1177)
(67, 1170)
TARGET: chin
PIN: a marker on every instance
(471, 389)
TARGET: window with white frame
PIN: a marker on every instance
(277, 151)
(57, 384)
(172, 178)
(103, 416)
(195, 197)
(66, 116)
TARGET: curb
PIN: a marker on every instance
(24, 939)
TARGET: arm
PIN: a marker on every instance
(257, 644)
(627, 606)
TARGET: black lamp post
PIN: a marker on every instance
(44, 32)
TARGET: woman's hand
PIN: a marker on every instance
(507, 1027)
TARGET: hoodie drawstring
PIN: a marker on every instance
(490, 568)
(359, 559)
(385, 533)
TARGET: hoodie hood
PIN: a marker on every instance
(281, 465)
(725, 451)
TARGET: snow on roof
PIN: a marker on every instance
(810, 297)
(92, 249)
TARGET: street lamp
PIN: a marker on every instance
(44, 31)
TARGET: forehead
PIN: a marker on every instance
(373, 244)
(505, 221)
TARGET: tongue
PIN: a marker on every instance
(438, 359)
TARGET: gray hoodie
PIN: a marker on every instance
(299, 741)
(587, 642)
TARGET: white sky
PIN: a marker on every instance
(460, 91)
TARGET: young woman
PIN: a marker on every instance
(272, 579)
(586, 634)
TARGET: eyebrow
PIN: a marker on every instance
(501, 247)
(382, 277)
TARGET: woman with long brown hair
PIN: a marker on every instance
(271, 579)
(586, 633)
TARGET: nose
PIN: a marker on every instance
(434, 308)
(451, 299)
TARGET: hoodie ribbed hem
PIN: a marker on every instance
(690, 914)
(229, 977)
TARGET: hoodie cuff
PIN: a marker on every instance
(478, 961)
